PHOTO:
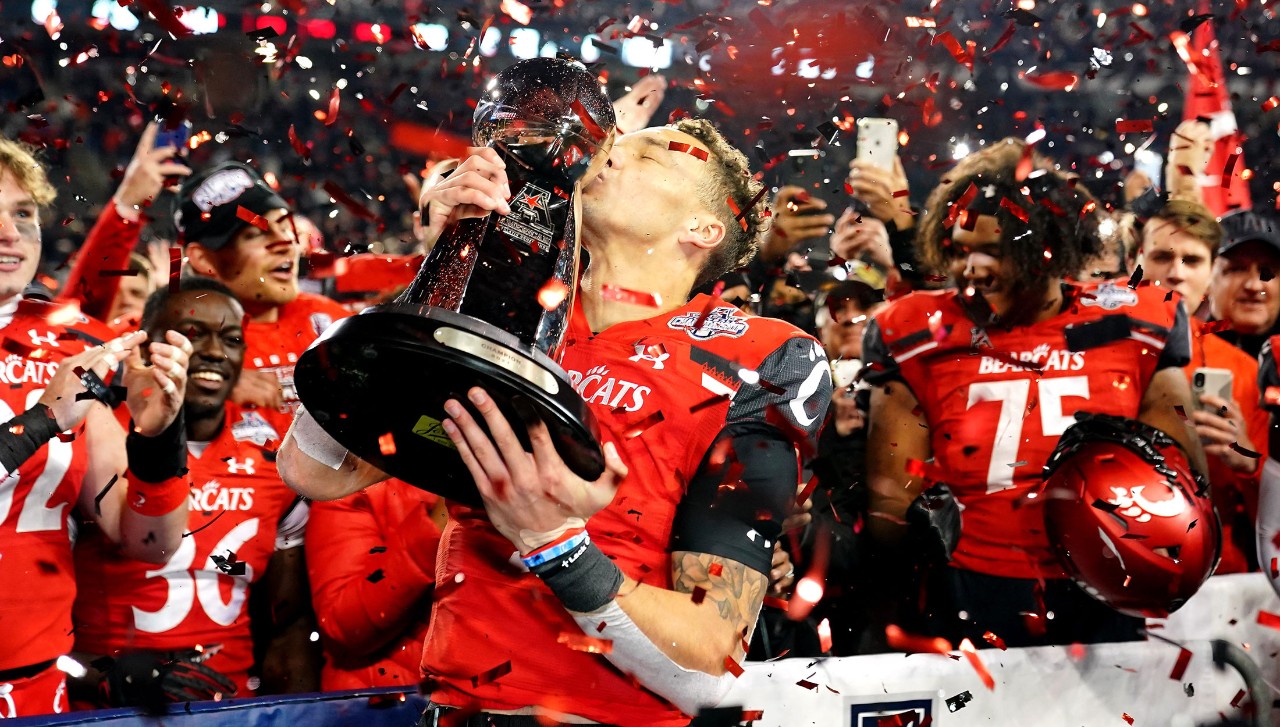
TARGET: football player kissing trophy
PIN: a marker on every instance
(377, 382)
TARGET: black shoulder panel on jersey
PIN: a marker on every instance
(879, 367)
(738, 498)
(795, 382)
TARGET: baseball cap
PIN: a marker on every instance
(209, 203)
(1243, 226)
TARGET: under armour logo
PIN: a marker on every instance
(49, 339)
(6, 691)
(237, 467)
(654, 354)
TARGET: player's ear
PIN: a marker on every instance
(200, 260)
(703, 231)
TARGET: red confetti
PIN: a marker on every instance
(589, 123)
(1235, 701)
(1126, 717)
(1215, 326)
(693, 151)
(807, 685)
(634, 297)
(582, 642)
(991, 638)
(1003, 40)
(1180, 666)
(1180, 411)
(715, 569)
(552, 294)
(1268, 619)
(341, 197)
(334, 101)
(730, 666)
(387, 444)
(975, 661)
(1275, 568)
(297, 144)
(1134, 126)
(807, 492)
(1271, 103)
(751, 715)
(900, 640)
(1053, 80)
(253, 218)
(824, 635)
(1015, 209)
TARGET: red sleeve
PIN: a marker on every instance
(370, 557)
(107, 248)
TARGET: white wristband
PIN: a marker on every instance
(316, 442)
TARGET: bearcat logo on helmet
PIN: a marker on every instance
(1110, 296)
(222, 188)
(723, 321)
(1132, 503)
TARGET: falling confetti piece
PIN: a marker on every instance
(253, 218)
(1245, 452)
(900, 640)
(1268, 619)
(491, 675)
(552, 294)
(715, 569)
(1134, 126)
(731, 666)
(1271, 103)
(298, 146)
(340, 196)
(824, 635)
(582, 642)
(375, 576)
(634, 297)
(708, 403)
(991, 638)
(699, 595)
(693, 151)
(1053, 80)
(775, 602)
(970, 653)
(334, 101)
(387, 444)
(1125, 716)
(1180, 666)
(643, 425)
(805, 683)
(97, 499)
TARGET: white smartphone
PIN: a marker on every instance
(1216, 382)
(877, 142)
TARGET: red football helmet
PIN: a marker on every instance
(1129, 519)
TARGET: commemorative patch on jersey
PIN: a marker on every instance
(1110, 296)
(253, 428)
(723, 321)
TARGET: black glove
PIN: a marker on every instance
(933, 523)
(154, 679)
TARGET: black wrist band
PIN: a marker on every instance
(584, 580)
(24, 435)
(158, 458)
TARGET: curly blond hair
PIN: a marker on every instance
(730, 178)
(20, 160)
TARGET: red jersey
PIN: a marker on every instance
(662, 389)
(371, 558)
(996, 400)
(237, 504)
(1234, 494)
(38, 500)
(275, 347)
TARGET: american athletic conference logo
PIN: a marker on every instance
(723, 321)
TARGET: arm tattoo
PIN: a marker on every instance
(737, 592)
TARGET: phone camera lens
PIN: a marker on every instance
(1199, 379)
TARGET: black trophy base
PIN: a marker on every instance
(377, 382)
